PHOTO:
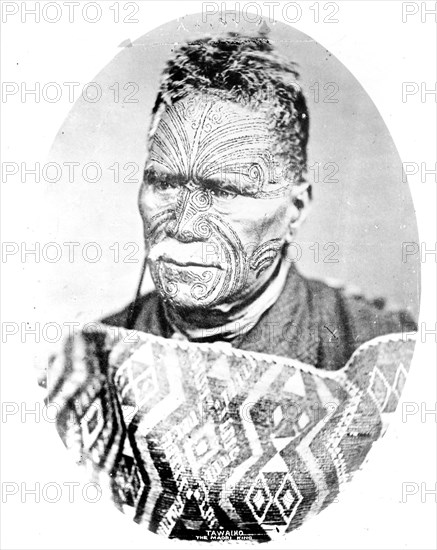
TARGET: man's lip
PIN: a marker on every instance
(187, 264)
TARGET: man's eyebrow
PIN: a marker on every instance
(224, 183)
(241, 187)
(152, 174)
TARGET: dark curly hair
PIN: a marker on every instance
(246, 70)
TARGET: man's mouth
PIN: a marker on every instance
(189, 263)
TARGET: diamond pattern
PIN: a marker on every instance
(194, 437)
(379, 388)
(288, 498)
(259, 498)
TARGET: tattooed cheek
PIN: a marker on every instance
(259, 227)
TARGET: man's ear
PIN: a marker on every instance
(301, 197)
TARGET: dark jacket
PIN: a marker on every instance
(311, 321)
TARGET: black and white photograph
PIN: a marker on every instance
(218, 274)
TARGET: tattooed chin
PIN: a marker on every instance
(187, 284)
(183, 276)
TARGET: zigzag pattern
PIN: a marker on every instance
(201, 438)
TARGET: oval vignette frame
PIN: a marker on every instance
(351, 155)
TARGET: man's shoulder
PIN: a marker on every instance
(362, 317)
(321, 323)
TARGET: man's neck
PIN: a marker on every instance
(229, 320)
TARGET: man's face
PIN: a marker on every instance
(216, 203)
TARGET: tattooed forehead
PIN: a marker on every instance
(205, 138)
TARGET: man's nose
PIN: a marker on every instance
(191, 201)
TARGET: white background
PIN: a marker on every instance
(382, 52)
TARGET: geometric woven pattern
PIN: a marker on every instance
(199, 440)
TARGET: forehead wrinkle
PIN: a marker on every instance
(181, 133)
(245, 147)
(234, 128)
(194, 147)
(213, 144)
(172, 143)
(197, 139)
(245, 142)
(237, 164)
(232, 142)
(164, 149)
(163, 143)
(158, 155)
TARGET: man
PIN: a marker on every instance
(210, 442)
(223, 195)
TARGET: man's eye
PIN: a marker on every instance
(162, 185)
(223, 194)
